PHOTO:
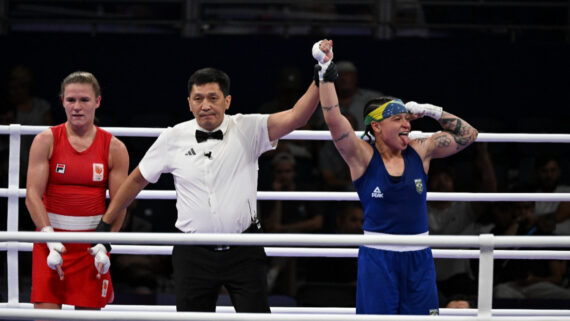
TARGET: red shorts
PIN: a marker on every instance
(79, 287)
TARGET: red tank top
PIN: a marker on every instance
(77, 181)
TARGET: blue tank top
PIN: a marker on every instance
(394, 206)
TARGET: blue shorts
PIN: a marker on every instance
(391, 282)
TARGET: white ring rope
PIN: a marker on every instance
(332, 252)
(167, 316)
(324, 240)
(316, 310)
(352, 196)
(323, 134)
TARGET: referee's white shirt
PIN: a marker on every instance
(215, 180)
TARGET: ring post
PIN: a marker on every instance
(485, 296)
(12, 216)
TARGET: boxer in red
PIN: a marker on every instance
(71, 167)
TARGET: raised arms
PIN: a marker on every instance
(284, 122)
(355, 152)
(457, 134)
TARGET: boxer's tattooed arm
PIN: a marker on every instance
(343, 136)
(329, 108)
(462, 133)
(443, 141)
(421, 140)
(341, 123)
(456, 135)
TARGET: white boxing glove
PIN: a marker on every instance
(55, 249)
(319, 56)
(430, 110)
(101, 259)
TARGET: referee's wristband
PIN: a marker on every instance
(103, 227)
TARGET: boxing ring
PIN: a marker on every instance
(485, 247)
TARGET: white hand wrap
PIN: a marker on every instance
(425, 109)
(55, 249)
(99, 253)
(319, 56)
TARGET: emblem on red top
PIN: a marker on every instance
(98, 172)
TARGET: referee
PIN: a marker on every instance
(213, 159)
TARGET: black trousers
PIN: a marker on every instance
(200, 272)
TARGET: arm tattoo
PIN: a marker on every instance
(343, 136)
(442, 141)
(461, 131)
(421, 140)
(462, 141)
(329, 108)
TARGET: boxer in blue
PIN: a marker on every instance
(389, 172)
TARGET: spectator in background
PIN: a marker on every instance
(348, 218)
(454, 276)
(460, 302)
(548, 175)
(287, 217)
(24, 108)
(290, 216)
(527, 279)
(351, 97)
(289, 88)
(19, 105)
(135, 273)
(331, 281)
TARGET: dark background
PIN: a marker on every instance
(471, 76)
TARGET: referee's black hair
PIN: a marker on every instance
(209, 75)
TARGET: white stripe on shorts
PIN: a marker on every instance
(397, 248)
(74, 223)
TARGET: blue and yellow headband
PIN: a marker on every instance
(386, 110)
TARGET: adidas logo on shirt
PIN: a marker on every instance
(190, 152)
(377, 193)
